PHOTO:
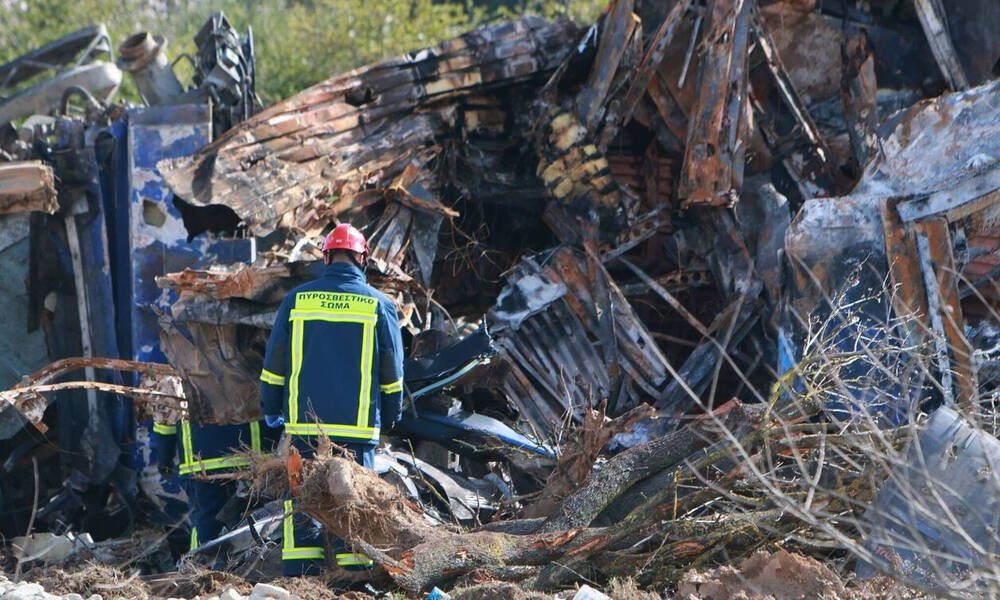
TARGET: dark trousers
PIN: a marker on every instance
(303, 551)
(205, 500)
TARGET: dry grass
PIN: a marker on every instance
(628, 589)
(109, 582)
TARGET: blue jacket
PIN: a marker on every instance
(334, 361)
(209, 448)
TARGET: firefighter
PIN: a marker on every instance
(333, 367)
(206, 450)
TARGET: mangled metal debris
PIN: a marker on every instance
(943, 472)
(588, 234)
(225, 73)
(570, 339)
(75, 67)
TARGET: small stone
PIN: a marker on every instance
(95, 597)
(264, 591)
(231, 594)
(72, 597)
(24, 591)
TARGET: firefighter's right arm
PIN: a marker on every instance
(272, 376)
(165, 442)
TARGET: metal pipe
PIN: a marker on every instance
(144, 57)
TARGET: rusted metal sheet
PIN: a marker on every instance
(808, 45)
(859, 95)
(941, 281)
(27, 186)
(713, 159)
(908, 295)
(935, 23)
(617, 29)
(220, 365)
(248, 282)
(803, 152)
(826, 243)
(652, 57)
(913, 162)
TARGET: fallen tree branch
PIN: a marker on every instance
(142, 394)
(623, 471)
(68, 365)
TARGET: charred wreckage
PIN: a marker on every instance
(594, 237)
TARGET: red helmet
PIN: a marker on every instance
(346, 237)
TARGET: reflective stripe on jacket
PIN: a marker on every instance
(334, 360)
(205, 448)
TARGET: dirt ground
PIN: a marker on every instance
(763, 576)
(785, 576)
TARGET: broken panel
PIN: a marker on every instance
(717, 133)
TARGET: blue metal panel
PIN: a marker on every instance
(157, 237)
(149, 240)
(114, 181)
(94, 253)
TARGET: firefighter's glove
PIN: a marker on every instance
(274, 421)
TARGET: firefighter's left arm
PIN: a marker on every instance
(390, 376)
(272, 376)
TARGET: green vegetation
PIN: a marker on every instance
(299, 42)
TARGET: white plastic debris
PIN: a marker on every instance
(264, 591)
(588, 593)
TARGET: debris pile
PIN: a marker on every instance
(675, 286)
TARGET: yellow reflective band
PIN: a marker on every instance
(364, 433)
(303, 553)
(392, 388)
(288, 549)
(288, 533)
(194, 538)
(164, 429)
(365, 395)
(272, 378)
(212, 464)
(351, 560)
(255, 436)
(186, 446)
(336, 302)
(335, 317)
(293, 390)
